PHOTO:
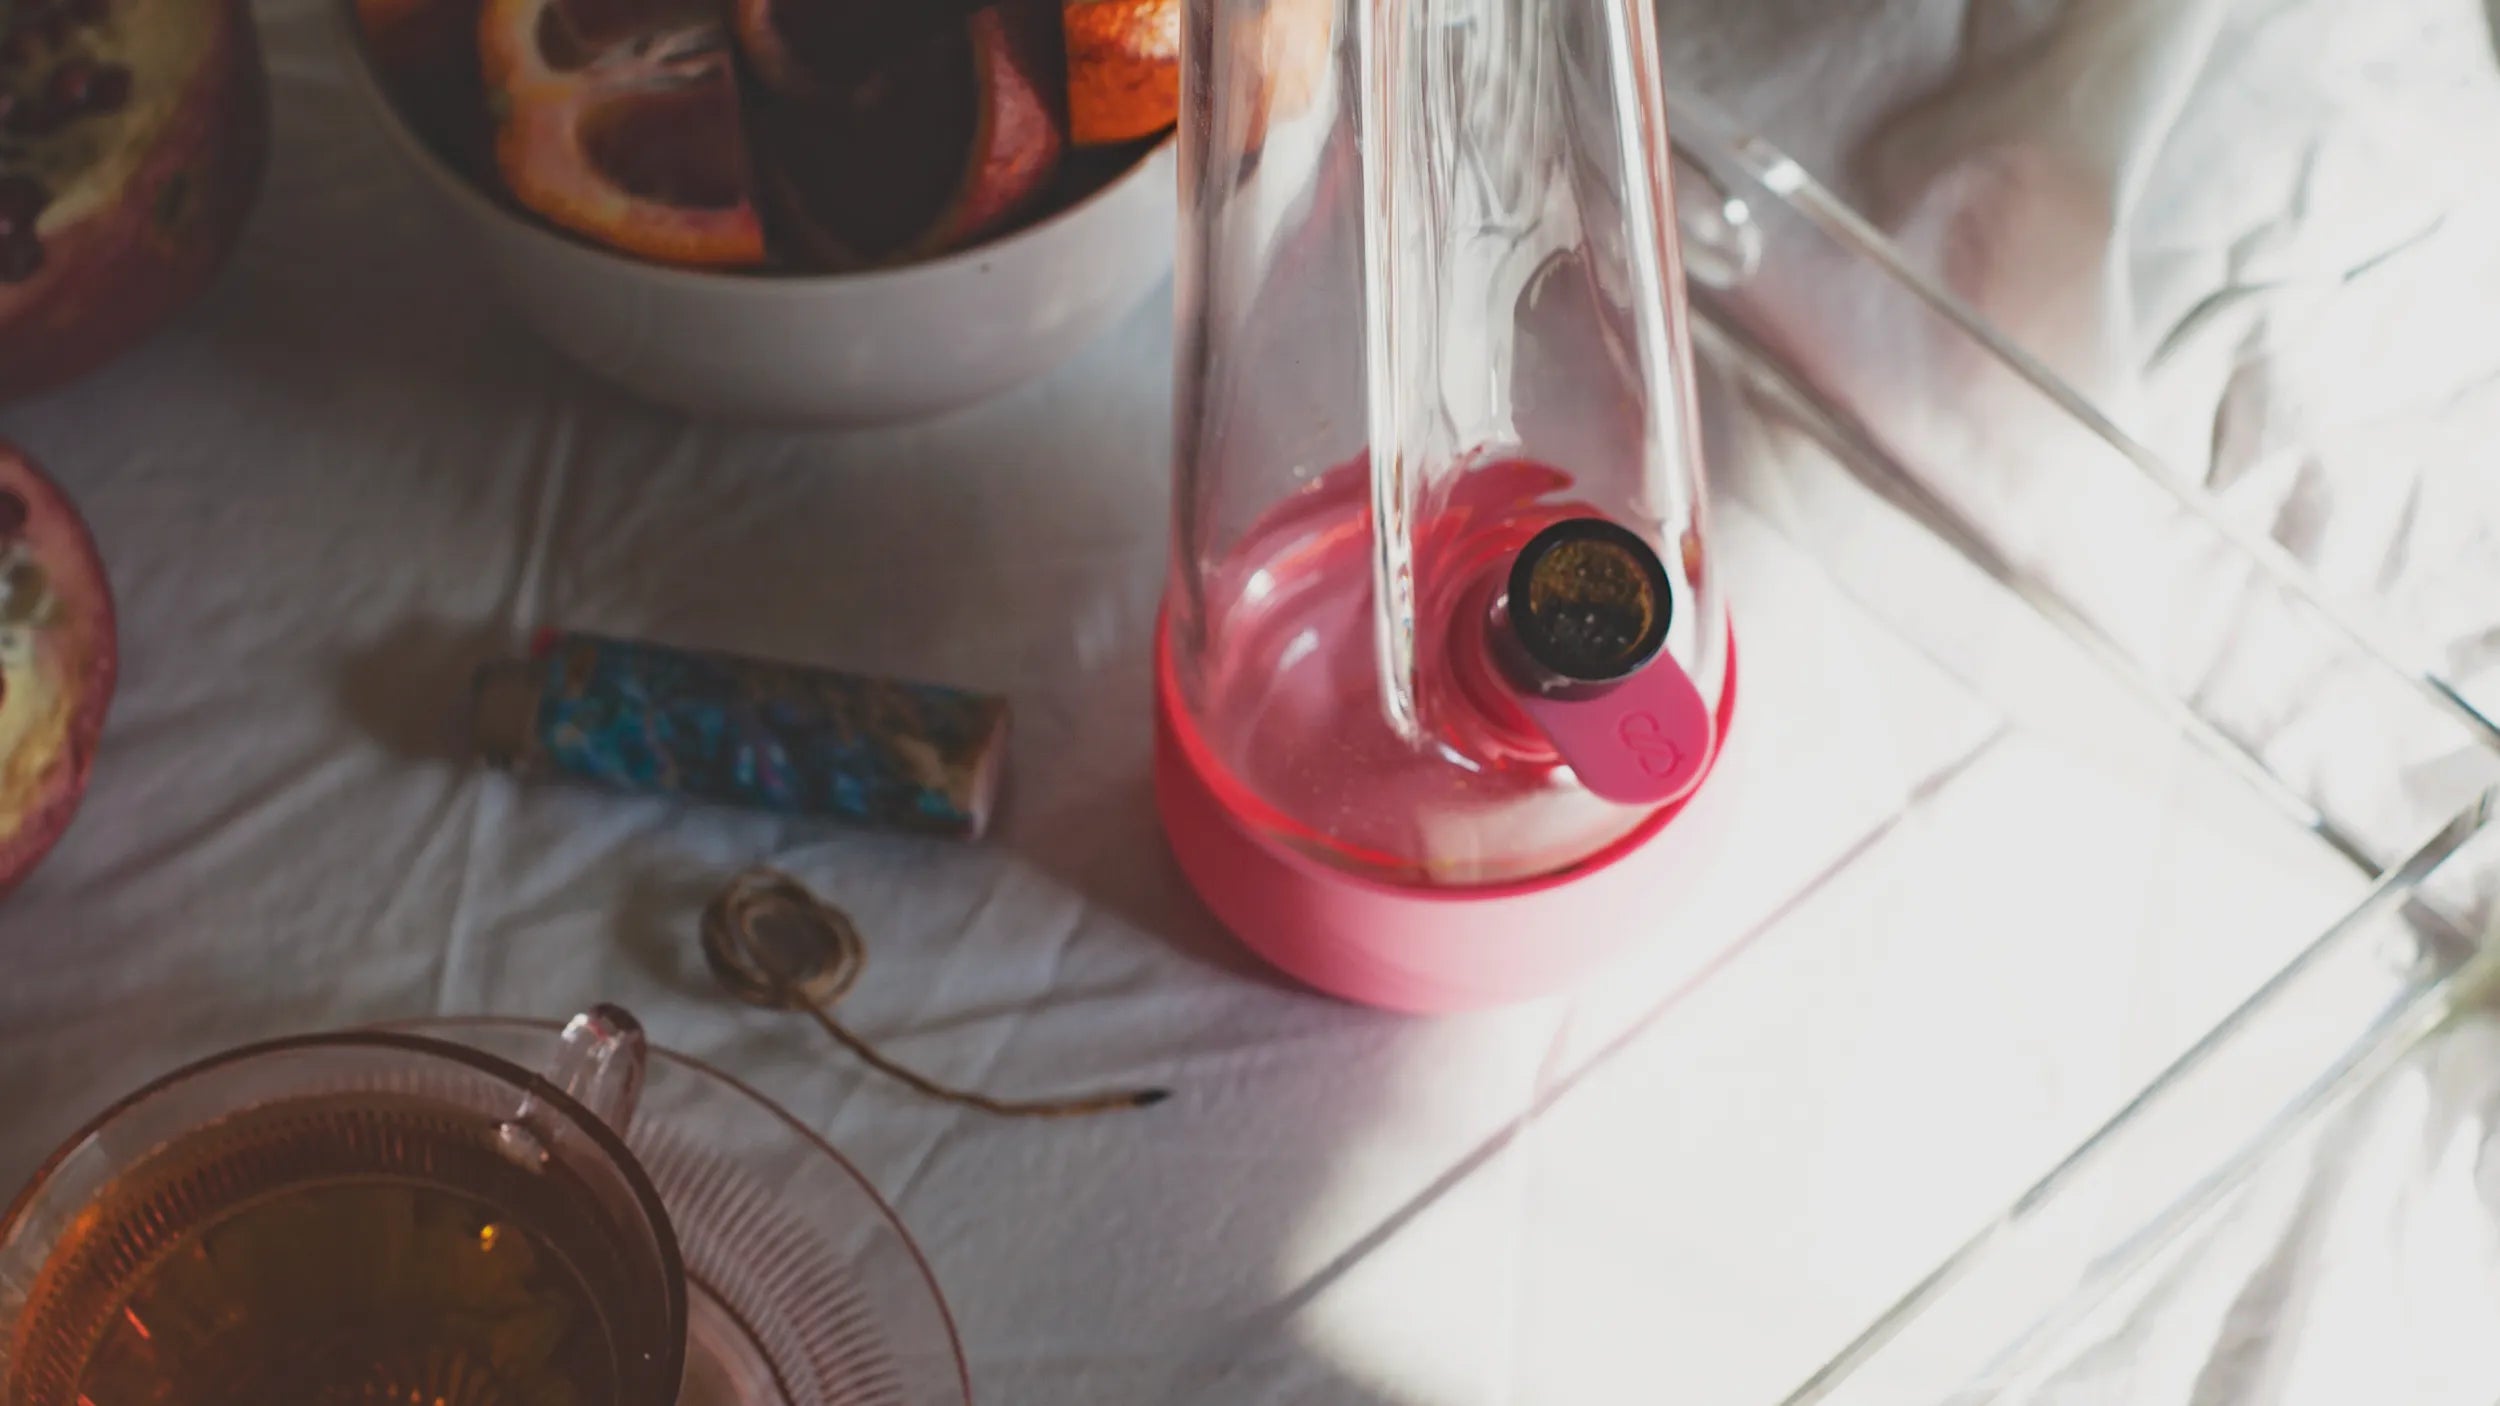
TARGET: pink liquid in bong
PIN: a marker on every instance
(1290, 708)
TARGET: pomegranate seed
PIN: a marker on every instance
(70, 87)
(20, 257)
(22, 199)
(12, 515)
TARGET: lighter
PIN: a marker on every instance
(746, 732)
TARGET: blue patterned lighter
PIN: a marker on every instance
(746, 732)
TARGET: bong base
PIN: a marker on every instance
(1414, 947)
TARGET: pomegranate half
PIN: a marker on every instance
(58, 657)
(133, 138)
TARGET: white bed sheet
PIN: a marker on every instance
(345, 479)
(2260, 234)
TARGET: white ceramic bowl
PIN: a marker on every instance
(833, 349)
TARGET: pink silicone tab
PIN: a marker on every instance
(1416, 947)
(1646, 741)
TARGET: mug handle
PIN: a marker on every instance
(599, 1064)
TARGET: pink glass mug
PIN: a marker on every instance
(352, 1217)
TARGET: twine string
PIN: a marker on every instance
(751, 939)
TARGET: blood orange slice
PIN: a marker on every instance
(950, 136)
(1124, 68)
(620, 121)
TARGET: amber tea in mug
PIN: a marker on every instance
(366, 1246)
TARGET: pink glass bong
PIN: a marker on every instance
(1442, 653)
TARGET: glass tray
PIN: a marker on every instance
(2139, 858)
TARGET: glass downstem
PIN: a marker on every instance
(1382, 30)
